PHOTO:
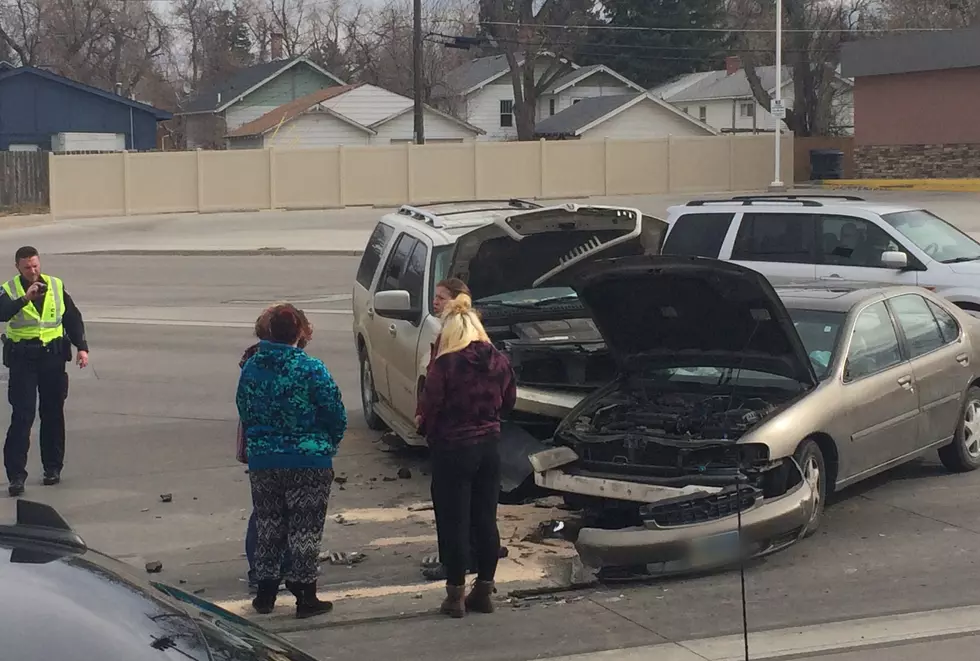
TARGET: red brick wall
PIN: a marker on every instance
(927, 108)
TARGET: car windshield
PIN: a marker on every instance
(934, 236)
(530, 298)
(818, 329)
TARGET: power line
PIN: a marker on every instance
(634, 28)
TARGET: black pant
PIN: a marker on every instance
(45, 379)
(465, 488)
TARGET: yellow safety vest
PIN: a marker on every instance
(28, 324)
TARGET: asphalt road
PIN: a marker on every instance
(155, 415)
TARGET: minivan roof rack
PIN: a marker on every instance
(41, 523)
(819, 196)
(753, 200)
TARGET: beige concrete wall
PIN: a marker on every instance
(240, 180)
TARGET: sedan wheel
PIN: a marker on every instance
(963, 454)
(811, 461)
(369, 397)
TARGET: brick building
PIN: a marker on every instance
(916, 104)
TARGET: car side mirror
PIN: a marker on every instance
(894, 259)
(396, 304)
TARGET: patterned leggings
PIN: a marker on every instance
(290, 506)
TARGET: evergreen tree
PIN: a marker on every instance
(653, 56)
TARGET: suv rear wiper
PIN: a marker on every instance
(957, 260)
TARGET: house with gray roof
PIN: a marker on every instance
(247, 95)
(724, 99)
(481, 92)
(621, 117)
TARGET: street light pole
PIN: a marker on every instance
(417, 48)
(779, 111)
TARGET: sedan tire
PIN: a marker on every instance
(811, 460)
(369, 397)
(963, 454)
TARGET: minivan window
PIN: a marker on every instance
(698, 234)
(372, 254)
(775, 237)
(934, 236)
(847, 241)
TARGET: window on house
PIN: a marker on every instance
(551, 106)
(747, 109)
(703, 113)
(574, 101)
(506, 114)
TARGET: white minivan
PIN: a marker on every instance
(831, 237)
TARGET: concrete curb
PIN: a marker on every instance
(258, 252)
(935, 185)
(803, 641)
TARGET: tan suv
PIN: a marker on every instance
(513, 255)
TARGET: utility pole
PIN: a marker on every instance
(419, 123)
(779, 110)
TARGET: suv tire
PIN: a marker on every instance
(963, 454)
(369, 396)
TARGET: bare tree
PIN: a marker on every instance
(534, 35)
(814, 33)
(20, 29)
(929, 14)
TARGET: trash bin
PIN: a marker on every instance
(826, 164)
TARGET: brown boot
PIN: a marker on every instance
(453, 604)
(480, 598)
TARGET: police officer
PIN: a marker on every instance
(42, 325)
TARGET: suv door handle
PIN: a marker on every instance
(393, 330)
(370, 313)
(963, 359)
(906, 382)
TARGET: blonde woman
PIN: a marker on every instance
(467, 388)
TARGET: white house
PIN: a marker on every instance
(724, 98)
(248, 95)
(348, 115)
(625, 116)
(482, 93)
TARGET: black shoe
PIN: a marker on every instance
(51, 478)
(307, 603)
(265, 597)
(16, 487)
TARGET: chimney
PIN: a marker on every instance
(732, 64)
(119, 89)
(276, 46)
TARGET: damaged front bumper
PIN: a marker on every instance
(684, 528)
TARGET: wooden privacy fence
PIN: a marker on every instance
(248, 180)
(23, 179)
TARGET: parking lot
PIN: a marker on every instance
(170, 302)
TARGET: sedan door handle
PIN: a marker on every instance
(906, 382)
(963, 359)
(393, 330)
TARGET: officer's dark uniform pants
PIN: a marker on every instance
(32, 379)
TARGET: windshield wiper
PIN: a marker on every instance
(957, 260)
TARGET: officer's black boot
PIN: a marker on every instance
(51, 478)
(16, 487)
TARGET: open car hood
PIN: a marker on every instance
(530, 248)
(660, 312)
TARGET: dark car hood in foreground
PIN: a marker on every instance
(59, 602)
(661, 312)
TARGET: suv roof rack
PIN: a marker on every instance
(427, 217)
(511, 202)
(752, 200)
(41, 523)
(821, 196)
(434, 219)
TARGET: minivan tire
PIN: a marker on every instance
(957, 456)
(369, 396)
(814, 468)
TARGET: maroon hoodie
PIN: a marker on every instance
(464, 395)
